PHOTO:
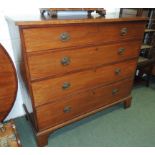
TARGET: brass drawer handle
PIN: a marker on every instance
(124, 31)
(65, 61)
(117, 71)
(67, 109)
(64, 36)
(66, 85)
(115, 91)
(121, 51)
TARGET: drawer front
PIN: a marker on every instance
(37, 39)
(63, 110)
(48, 90)
(50, 63)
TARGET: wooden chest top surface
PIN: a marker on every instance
(40, 21)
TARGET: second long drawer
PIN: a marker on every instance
(48, 90)
(48, 63)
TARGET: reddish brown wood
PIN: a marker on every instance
(37, 39)
(26, 78)
(49, 63)
(8, 83)
(81, 103)
(42, 139)
(127, 103)
(51, 89)
(95, 68)
(40, 22)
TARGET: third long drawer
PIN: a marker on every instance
(51, 89)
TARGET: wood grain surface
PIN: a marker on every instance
(48, 90)
(75, 68)
(8, 83)
(37, 39)
(49, 63)
(38, 21)
(54, 113)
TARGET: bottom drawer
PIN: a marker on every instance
(52, 114)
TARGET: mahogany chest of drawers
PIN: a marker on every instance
(74, 68)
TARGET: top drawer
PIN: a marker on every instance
(63, 36)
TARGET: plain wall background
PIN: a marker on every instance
(14, 51)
